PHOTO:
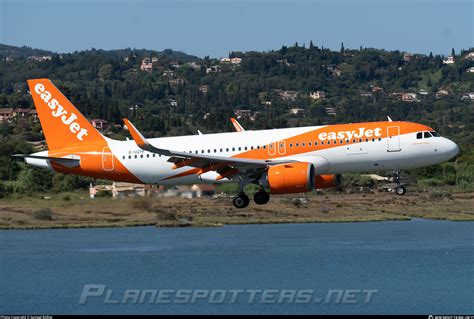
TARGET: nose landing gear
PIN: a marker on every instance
(399, 188)
(396, 186)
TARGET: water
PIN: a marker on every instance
(419, 266)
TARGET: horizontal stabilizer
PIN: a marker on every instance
(68, 160)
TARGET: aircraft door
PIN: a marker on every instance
(393, 139)
(107, 159)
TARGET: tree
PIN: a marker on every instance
(429, 82)
(342, 48)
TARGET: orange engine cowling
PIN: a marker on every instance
(327, 181)
(291, 178)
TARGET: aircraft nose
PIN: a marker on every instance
(451, 148)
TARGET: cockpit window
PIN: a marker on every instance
(419, 135)
(427, 135)
(435, 134)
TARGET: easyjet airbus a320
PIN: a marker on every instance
(281, 161)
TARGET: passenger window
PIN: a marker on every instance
(251, 147)
(427, 135)
(335, 142)
(154, 154)
(129, 157)
(315, 143)
(264, 147)
(380, 139)
(233, 149)
(141, 156)
(227, 149)
(303, 144)
(240, 148)
(147, 155)
(245, 148)
(291, 144)
(258, 147)
(341, 141)
(136, 156)
(373, 139)
(309, 144)
(297, 144)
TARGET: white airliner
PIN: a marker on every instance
(288, 160)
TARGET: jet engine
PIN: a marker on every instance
(290, 178)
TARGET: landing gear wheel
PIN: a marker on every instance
(241, 200)
(401, 190)
(261, 197)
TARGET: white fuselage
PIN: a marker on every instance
(401, 152)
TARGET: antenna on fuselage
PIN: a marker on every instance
(389, 119)
(200, 133)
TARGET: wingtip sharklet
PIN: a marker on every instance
(136, 135)
(141, 141)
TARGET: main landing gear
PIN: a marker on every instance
(261, 197)
(242, 200)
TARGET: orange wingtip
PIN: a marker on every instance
(237, 125)
(136, 135)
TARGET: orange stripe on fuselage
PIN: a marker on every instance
(313, 136)
(91, 163)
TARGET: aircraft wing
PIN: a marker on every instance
(225, 166)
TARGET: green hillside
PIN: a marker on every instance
(177, 94)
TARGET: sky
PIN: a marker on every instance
(216, 28)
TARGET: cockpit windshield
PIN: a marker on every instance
(421, 135)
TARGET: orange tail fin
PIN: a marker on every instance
(62, 123)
